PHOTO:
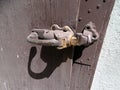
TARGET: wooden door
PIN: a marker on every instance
(24, 66)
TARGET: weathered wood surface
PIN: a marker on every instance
(24, 66)
(85, 58)
(27, 67)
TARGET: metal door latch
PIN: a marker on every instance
(63, 37)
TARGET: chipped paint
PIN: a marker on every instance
(1, 49)
(5, 85)
(18, 56)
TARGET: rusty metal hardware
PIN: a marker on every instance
(63, 37)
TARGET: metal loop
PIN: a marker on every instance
(33, 38)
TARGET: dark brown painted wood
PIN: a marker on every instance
(24, 66)
(28, 67)
(85, 58)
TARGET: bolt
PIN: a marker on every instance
(86, 0)
(98, 6)
(89, 10)
(104, 1)
(80, 19)
(88, 58)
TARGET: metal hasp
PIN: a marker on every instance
(63, 37)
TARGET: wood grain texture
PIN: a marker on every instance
(28, 67)
(85, 58)
(24, 66)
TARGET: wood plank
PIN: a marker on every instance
(28, 67)
(85, 58)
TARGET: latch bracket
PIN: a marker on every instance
(63, 37)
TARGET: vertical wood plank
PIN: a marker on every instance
(29, 67)
(85, 58)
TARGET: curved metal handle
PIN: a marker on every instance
(34, 38)
(63, 37)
